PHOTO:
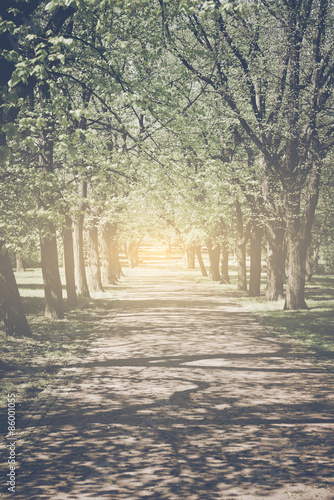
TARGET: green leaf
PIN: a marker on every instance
(71, 150)
(10, 130)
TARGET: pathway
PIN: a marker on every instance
(182, 396)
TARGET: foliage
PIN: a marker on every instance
(169, 111)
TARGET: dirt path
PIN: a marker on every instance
(182, 396)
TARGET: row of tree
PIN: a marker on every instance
(207, 122)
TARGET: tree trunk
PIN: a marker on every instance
(79, 259)
(295, 289)
(79, 256)
(119, 272)
(9, 296)
(225, 275)
(299, 227)
(312, 255)
(20, 267)
(72, 300)
(274, 231)
(47, 230)
(241, 261)
(255, 260)
(214, 254)
(50, 271)
(94, 269)
(190, 257)
(200, 260)
(11, 307)
(132, 254)
(312, 258)
(242, 238)
(109, 266)
(276, 256)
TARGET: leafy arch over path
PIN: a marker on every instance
(225, 108)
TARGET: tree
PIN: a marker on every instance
(282, 61)
(11, 306)
(13, 16)
(69, 262)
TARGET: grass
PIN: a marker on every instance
(28, 365)
(312, 329)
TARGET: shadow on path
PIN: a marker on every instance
(183, 395)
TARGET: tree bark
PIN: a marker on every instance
(190, 257)
(224, 263)
(9, 293)
(50, 271)
(72, 300)
(200, 260)
(299, 235)
(256, 235)
(109, 265)
(274, 231)
(132, 253)
(94, 268)
(241, 260)
(79, 255)
(242, 238)
(214, 255)
(312, 260)
(47, 230)
(20, 267)
(11, 307)
(295, 290)
(276, 256)
(119, 272)
(79, 259)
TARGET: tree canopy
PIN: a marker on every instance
(206, 123)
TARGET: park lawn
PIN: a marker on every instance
(28, 365)
(312, 328)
